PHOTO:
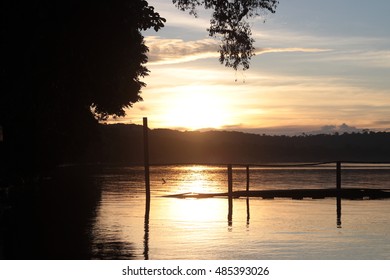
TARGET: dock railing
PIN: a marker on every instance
(337, 191)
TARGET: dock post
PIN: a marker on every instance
(338, 188)
(230, 194)
(147, 189)
(146, 164)
(247, 178)
(247, 197)
(230, 180)
(338, 175)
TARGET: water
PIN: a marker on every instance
(99, 213)
(260, 229)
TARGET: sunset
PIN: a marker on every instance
(317, 64)
(198, 139)
(195, 107)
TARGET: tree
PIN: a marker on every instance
(65, 65)
(229, 23)
(68, 63)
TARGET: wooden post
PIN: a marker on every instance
(247, 178)
(230, 180)
(338, 175)
(247, 198)
(338, 188)
(147, 188)
(146, 163)
(230, 194)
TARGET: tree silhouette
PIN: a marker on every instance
(229, 24)
(62, 60)
(68, 63)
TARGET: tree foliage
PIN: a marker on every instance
(60, 60)
(229, 23)
(67, 63)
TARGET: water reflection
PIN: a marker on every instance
(112, 250)
(53, 220)
(338, 211)
(230, 211)
(247, 212)
(146, 230)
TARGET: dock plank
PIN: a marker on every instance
(349, 193)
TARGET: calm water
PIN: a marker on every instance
(99, 213)
(260, 229)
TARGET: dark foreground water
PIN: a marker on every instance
(99, 213)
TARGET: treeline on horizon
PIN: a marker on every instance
(123, 144)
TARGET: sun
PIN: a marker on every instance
(196, 107)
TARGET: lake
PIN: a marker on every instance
(100, 214)
(260, 229)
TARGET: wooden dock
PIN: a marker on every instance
(347, 193)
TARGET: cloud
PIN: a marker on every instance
(364, 58)
(284, 50)
(328, 129)
(382, 123)
(143, 108)
(172, 51)
(164, 51)
(343, 128)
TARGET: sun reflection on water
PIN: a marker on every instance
(198, 179)
(190, 210)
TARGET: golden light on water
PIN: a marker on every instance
(198, 179)
(196, 209)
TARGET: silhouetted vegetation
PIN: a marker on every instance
(123, 144)
(228, 23)
(66, 64)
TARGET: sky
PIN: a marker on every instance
(320, 66)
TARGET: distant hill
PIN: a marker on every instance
(123, 144)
